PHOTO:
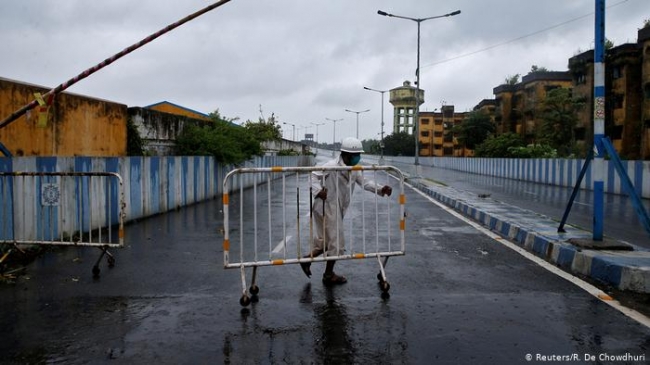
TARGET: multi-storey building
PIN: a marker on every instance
(623, 98)
(437, 134)
(518, 106)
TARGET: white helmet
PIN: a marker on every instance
(351, 145)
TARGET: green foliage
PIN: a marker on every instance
(288, 153)
(512, 79)
(558, 120)
(134, 143)
(474, 129)
(499, 146)
(371, 146)
(535, 68)
(399, 144)
(227, 142)
(265, 130)
(533, 151)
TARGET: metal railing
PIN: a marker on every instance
(274, 223)
(64, 209)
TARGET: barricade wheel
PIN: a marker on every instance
(381, 280)
(111, 261)
(245, 301)
(385, 286)
(254, 289)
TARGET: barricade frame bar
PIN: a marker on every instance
(381, 256)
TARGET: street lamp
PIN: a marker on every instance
(417, 73)
(354, 111)
(334, 135)
(317, 124)
(294, 130)
(381, 143)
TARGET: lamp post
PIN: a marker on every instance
(294, 130)
(381, 143)
(417, 74)
(357, 112)
(317, 124)
(334, 134)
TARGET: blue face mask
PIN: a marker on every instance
(354, 160)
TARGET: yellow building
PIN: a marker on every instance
(518, 106)
(436, 133)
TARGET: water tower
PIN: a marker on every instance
(403, 100)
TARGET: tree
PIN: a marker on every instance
(558, 120)
(474, 129)
(399, 144)
(499, 146)
(227, 142)
(371, 146)
(265, 130)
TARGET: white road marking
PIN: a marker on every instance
(280, 244)
(594, 291)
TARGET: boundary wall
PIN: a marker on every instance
(152, 185)
(552, 171)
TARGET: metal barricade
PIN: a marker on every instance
(274, 224)
(64, 209)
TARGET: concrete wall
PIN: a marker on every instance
(152, 185)
(72, 125)
(159, 130)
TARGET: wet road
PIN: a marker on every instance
(620, 221)
(457, 297)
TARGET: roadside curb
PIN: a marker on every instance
(537, 233)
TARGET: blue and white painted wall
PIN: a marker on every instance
(560, 172)
(152, 185)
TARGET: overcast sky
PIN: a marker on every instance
(303, 60)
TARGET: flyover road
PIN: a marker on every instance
(458, 296)
(619, 222)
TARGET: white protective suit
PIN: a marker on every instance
(333, 221)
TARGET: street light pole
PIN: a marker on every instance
(334, 134)
(317, 124)
(417, 74)
(294, 130)
(381, 143)
(357, 112)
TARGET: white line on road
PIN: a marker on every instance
(280, 244)
(594, 291)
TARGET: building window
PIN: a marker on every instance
(438, 122)
(425, 121)
(618, 101)
(581, 79)
(617, 72)
(646, 89)
(448, 151)
(424, 134)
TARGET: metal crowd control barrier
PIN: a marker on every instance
(64, 209)
(274, 223)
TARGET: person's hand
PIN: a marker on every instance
(322, 194)
(386, 190)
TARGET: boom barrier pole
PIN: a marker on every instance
(50, 94)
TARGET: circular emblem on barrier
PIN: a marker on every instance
(50, 194)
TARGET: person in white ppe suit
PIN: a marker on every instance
(328, 229)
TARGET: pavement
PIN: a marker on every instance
(619, 264)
